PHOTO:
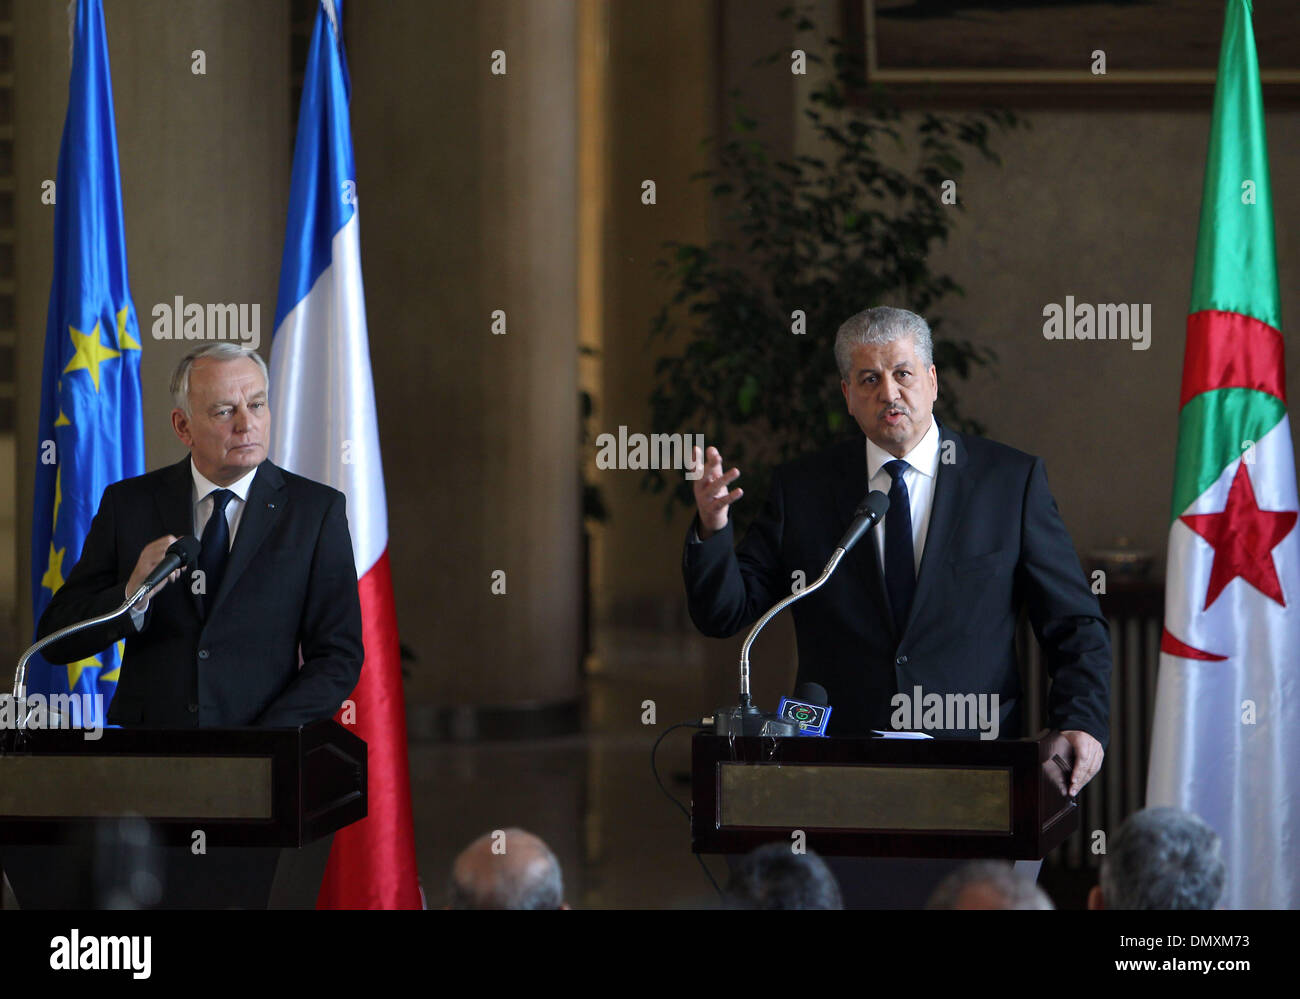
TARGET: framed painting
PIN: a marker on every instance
(1082, 53)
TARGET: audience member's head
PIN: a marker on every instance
(1161, 858)
(507, 869)
(988, 884)
(775, 877)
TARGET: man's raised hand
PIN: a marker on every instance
(711, 495)
(150, 555)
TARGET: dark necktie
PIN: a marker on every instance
(214, 546)
(900, 566)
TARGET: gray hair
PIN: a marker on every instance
(774, 877)
(881, 324)
(218, 351)
(1163, 858)
(535, 883)
(1015, 890)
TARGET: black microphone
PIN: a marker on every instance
(865, 517)
(811, 693)
(182, 553)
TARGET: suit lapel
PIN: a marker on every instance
(949, 497)
(175, 503)
(266, 501)
(864, 560)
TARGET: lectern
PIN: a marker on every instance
(874, 797)
(195, 818)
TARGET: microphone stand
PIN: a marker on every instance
(747, 719)
(20, 674)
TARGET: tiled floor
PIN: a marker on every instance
(592, 797)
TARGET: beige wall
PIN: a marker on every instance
(468, 190)
(661, 107)
(1102, 206)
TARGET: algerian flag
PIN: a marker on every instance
(1226, 743)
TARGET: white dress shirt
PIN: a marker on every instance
(202, 502)
(923, 462)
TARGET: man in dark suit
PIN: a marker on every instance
(972, 535)
(266, 629)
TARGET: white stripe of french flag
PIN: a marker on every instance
(324, 427)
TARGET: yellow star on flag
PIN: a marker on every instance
(74, 670)
(90, 353)
(124, 339)
(116, 672)
(53, 577)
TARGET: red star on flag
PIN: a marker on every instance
(1243, 537)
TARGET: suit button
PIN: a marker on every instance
(901, 660)
(193, 709)
(203, 653)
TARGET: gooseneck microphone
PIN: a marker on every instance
(865, 517)
(182, 553)
(747, 719)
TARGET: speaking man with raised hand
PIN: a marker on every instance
(972, 535)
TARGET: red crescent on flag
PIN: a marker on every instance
(1175, 647)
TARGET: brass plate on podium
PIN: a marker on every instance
(74, 787)
(865, 797)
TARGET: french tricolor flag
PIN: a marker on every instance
(324, 427)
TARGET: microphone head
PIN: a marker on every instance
(876, 505)
(812, 693)
(186, 549)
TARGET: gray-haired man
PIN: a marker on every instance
(275, 585)
(1161, 858)
(924, 611)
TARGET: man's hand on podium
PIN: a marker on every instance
(711, 495)
(1087, 759)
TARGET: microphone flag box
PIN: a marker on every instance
(811, 718)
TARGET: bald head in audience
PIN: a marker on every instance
(507, 869)
(988, 884)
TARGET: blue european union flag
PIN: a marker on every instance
(91, 432)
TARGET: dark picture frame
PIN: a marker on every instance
(1039, 53)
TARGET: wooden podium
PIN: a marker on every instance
(871, 797)
(192, 818)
